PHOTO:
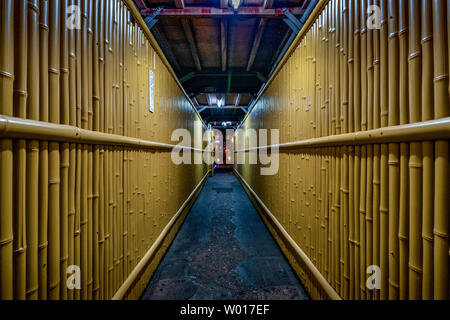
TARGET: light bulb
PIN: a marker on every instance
(236, 4)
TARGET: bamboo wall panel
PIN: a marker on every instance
(97, 206)
(355, 205)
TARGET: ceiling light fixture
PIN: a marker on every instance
(236, 4)
(220, 103)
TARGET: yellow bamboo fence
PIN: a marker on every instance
(364, 126)
(86, 176)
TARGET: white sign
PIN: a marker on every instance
(151, 92)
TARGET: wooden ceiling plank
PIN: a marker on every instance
(208, 97)
(179, 4)
(268, 4)
(165, 46)
(237, 100)
(141, 4)
(224, 107)
(256, 42)
(281, 46)
(223, 43)
(186, 24)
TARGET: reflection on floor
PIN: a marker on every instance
(224, 251)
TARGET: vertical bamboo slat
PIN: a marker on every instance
(441, 169)
(32, 191)
(415, 160)
(19, 168)
(6, 156)
(427, 149)
(64, 151)
(54, 181)
(403, 225)
(43, 147)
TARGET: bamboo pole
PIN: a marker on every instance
(364, 126)
(72, 153)
(89, 26)
(32, 191)
(121, 23)
(415, 160)
(96, 13)
(84, 214)
(347, 116)
(19, 168)
(357, 159)
(64, 151)
(369, 161)
(384, 187)
(376, 152)
(403, 232)
(393, 46)
(101, 125)
(43, 147)
(441, 180)
(351, 226)
(115, 116)
(427, 150)
(54, 155)
(6, 156)
(78, 174)
(108, 154)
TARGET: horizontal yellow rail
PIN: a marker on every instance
(413, 132)
(140, 267)
(18, 128)
(332, 294)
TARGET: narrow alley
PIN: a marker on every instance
(224, 251)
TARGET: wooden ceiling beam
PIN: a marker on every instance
(179, 4)
(223, 43)
(192, 44)
(268, 4)
(256, 42)
(208, 97)
(237, 100)
(141, 4)
(281, 46)
(212, 12)
(225, 107)
(165, 46)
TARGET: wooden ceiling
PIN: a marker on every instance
(220, 53)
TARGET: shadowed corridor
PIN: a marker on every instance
(224, 251)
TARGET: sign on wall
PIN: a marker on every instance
(151, 91)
